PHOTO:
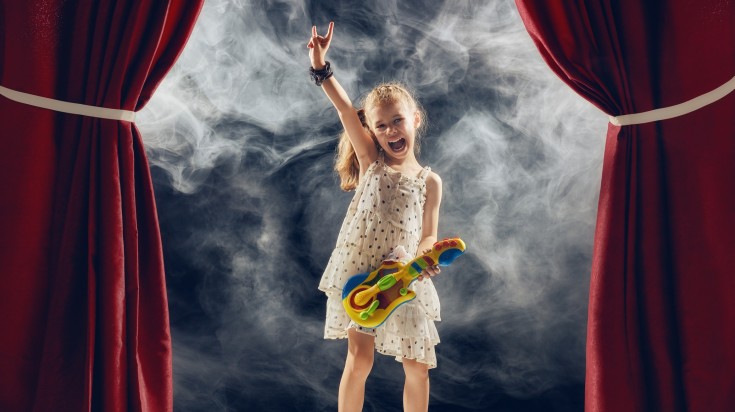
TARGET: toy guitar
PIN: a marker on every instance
(370, 298)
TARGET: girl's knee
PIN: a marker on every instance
(360, 353)
(360, 362)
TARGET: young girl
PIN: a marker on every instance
(396, 203)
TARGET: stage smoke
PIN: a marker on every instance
(241, 145)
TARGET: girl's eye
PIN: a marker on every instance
(396, 121)
(380, 127)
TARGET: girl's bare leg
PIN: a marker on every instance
(416, 389)
(360, 352)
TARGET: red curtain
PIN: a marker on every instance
(83, 298)
(661, 327)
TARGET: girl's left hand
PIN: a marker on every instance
(430, 271)
(318, 46)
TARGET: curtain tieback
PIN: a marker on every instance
(676, 110)
(67, 107)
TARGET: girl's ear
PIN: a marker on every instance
(416, 119)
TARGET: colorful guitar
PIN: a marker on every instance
(369, 298)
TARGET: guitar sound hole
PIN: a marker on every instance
(353, 304)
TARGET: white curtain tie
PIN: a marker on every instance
(676, 110)
(67, 107)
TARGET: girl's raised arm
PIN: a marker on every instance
(361, 140)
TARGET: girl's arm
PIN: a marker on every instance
(361, 140)
(430, 222)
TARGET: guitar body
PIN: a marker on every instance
(370, 298)
(387, 300)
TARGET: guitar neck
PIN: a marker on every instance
(416, 266)
(442, 253)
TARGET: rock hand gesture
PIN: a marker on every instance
(318, 46)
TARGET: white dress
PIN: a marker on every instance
(385, 212)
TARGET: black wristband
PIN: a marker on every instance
(318, 76)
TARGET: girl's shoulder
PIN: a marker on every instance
(433, 184)
(433, 179)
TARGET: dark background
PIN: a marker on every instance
(241, 146)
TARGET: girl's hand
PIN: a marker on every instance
(318, 46)
(430, 271)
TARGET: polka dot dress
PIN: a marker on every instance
(385, 212)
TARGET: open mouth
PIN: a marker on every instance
(398, 145)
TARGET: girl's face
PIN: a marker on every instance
(394, 125)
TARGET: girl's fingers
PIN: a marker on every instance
(313, 31)
(329, 31)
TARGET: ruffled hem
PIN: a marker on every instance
(407, 334)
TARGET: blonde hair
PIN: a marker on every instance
(346, 164)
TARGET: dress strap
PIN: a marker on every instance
(424, 173)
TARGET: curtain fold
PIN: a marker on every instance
(84, 296)
(660, 326)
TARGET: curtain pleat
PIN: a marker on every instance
(660, 326)
(85, 291)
